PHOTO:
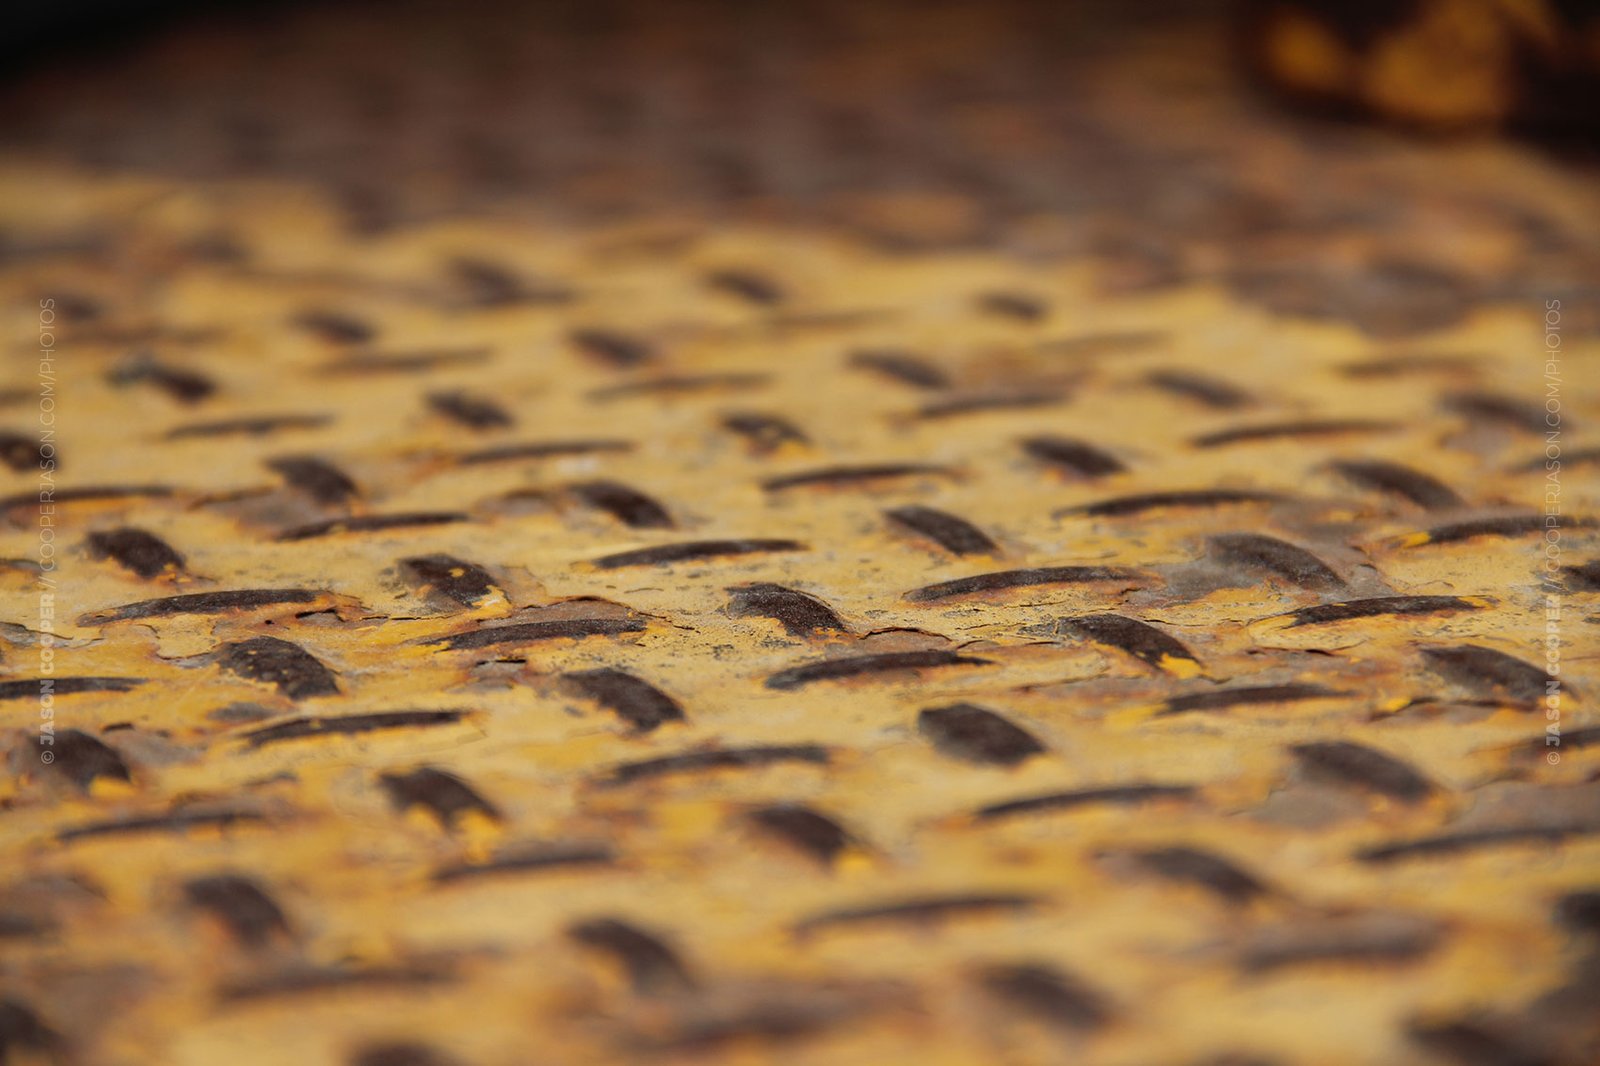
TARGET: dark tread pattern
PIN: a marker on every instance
(700, 534)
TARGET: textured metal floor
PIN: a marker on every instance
(869, 538)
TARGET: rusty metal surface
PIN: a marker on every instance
(1085, 598)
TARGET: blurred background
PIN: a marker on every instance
(1322, 158)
